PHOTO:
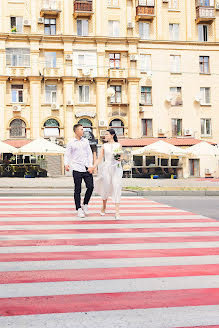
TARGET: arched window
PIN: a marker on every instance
(17, 129)
(87, 124)
(51, 128)
(118, 126)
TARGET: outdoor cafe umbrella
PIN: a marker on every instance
(6, 148)
(160, 148)
(202, 149)
(40, 146)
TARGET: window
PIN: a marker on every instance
(118, 126)
(82, 27)
(204, 64)
(173, 4)
(17, 129)
(205, 96)
(50, 59)
(51, 93)
(174, 32)
(176, 127)
(113, 28)
(50, 26)
(114, 60)
(113, 3)
(144, 30)
(206, 3)
(18, 57)
(175, 64)
(51, 128)
(176, 96)
(117, 98)
(146, 98)
(145, 61)
(205, 127)
(147, 129)
(87, 124)
(17, 93)
(203, 33)
(17, 24)
(84, 93)
(146, 3)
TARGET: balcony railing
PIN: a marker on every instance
(83, 8)
(205, 11)
(50, 7)
(117, 73)
(54, 72)
(21, 72)
(145, 9)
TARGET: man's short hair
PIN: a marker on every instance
(76, 126)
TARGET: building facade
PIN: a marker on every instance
(148, 68)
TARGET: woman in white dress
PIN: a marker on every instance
(109, 180)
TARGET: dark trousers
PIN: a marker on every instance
(89, 182)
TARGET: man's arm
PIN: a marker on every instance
(67, 157)
(90, 158)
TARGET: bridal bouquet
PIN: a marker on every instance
(117, 153)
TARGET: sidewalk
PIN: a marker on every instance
(139, 187)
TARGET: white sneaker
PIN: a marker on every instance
(81, 213)
(85, 209)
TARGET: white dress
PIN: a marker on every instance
(109, 180)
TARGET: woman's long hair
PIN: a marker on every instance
(113, 133)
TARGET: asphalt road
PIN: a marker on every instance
(207, 206)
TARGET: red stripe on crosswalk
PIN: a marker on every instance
(205, 326)
(118, 254)
(38, 222)
(108, 301)
(73, 215)
(103, 231)
(49, 209)
(141, 203)
(16, 277)
(104, 241)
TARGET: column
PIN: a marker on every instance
(35, 107)
(133, 96)
(101, 92)
(68, 110)
(3, 108)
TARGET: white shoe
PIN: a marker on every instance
(117, 216)
(81, 213)
(85, 209)
(102, 213)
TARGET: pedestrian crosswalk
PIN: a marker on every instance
(157, 267)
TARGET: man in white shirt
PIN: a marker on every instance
(79, 158)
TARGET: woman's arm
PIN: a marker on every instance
(99, 159)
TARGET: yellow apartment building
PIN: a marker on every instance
(148, 68)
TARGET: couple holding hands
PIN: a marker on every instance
(79, 158)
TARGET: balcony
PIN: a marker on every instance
(205, 13)
(117, 74)
(50, 7)
(145, 10)
(83, 8)
(18, 72)
(121, 110)
(52, 72)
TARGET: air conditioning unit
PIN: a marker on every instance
(27, 22)
(103, 123)
(68, 57)
(70, 102)
(131, 25)
(133, 57)
(187, 132)
(168, 98)
(208, 171)
(217, 5)
(198, 98)
(161, 131)
(86, 71)
(41, 20)
(55, 106)
(16, 108)
(141, 109)
(102, 133)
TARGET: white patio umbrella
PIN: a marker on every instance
(161, 148)
(5, 148)
(202, 149)
(40, 146)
